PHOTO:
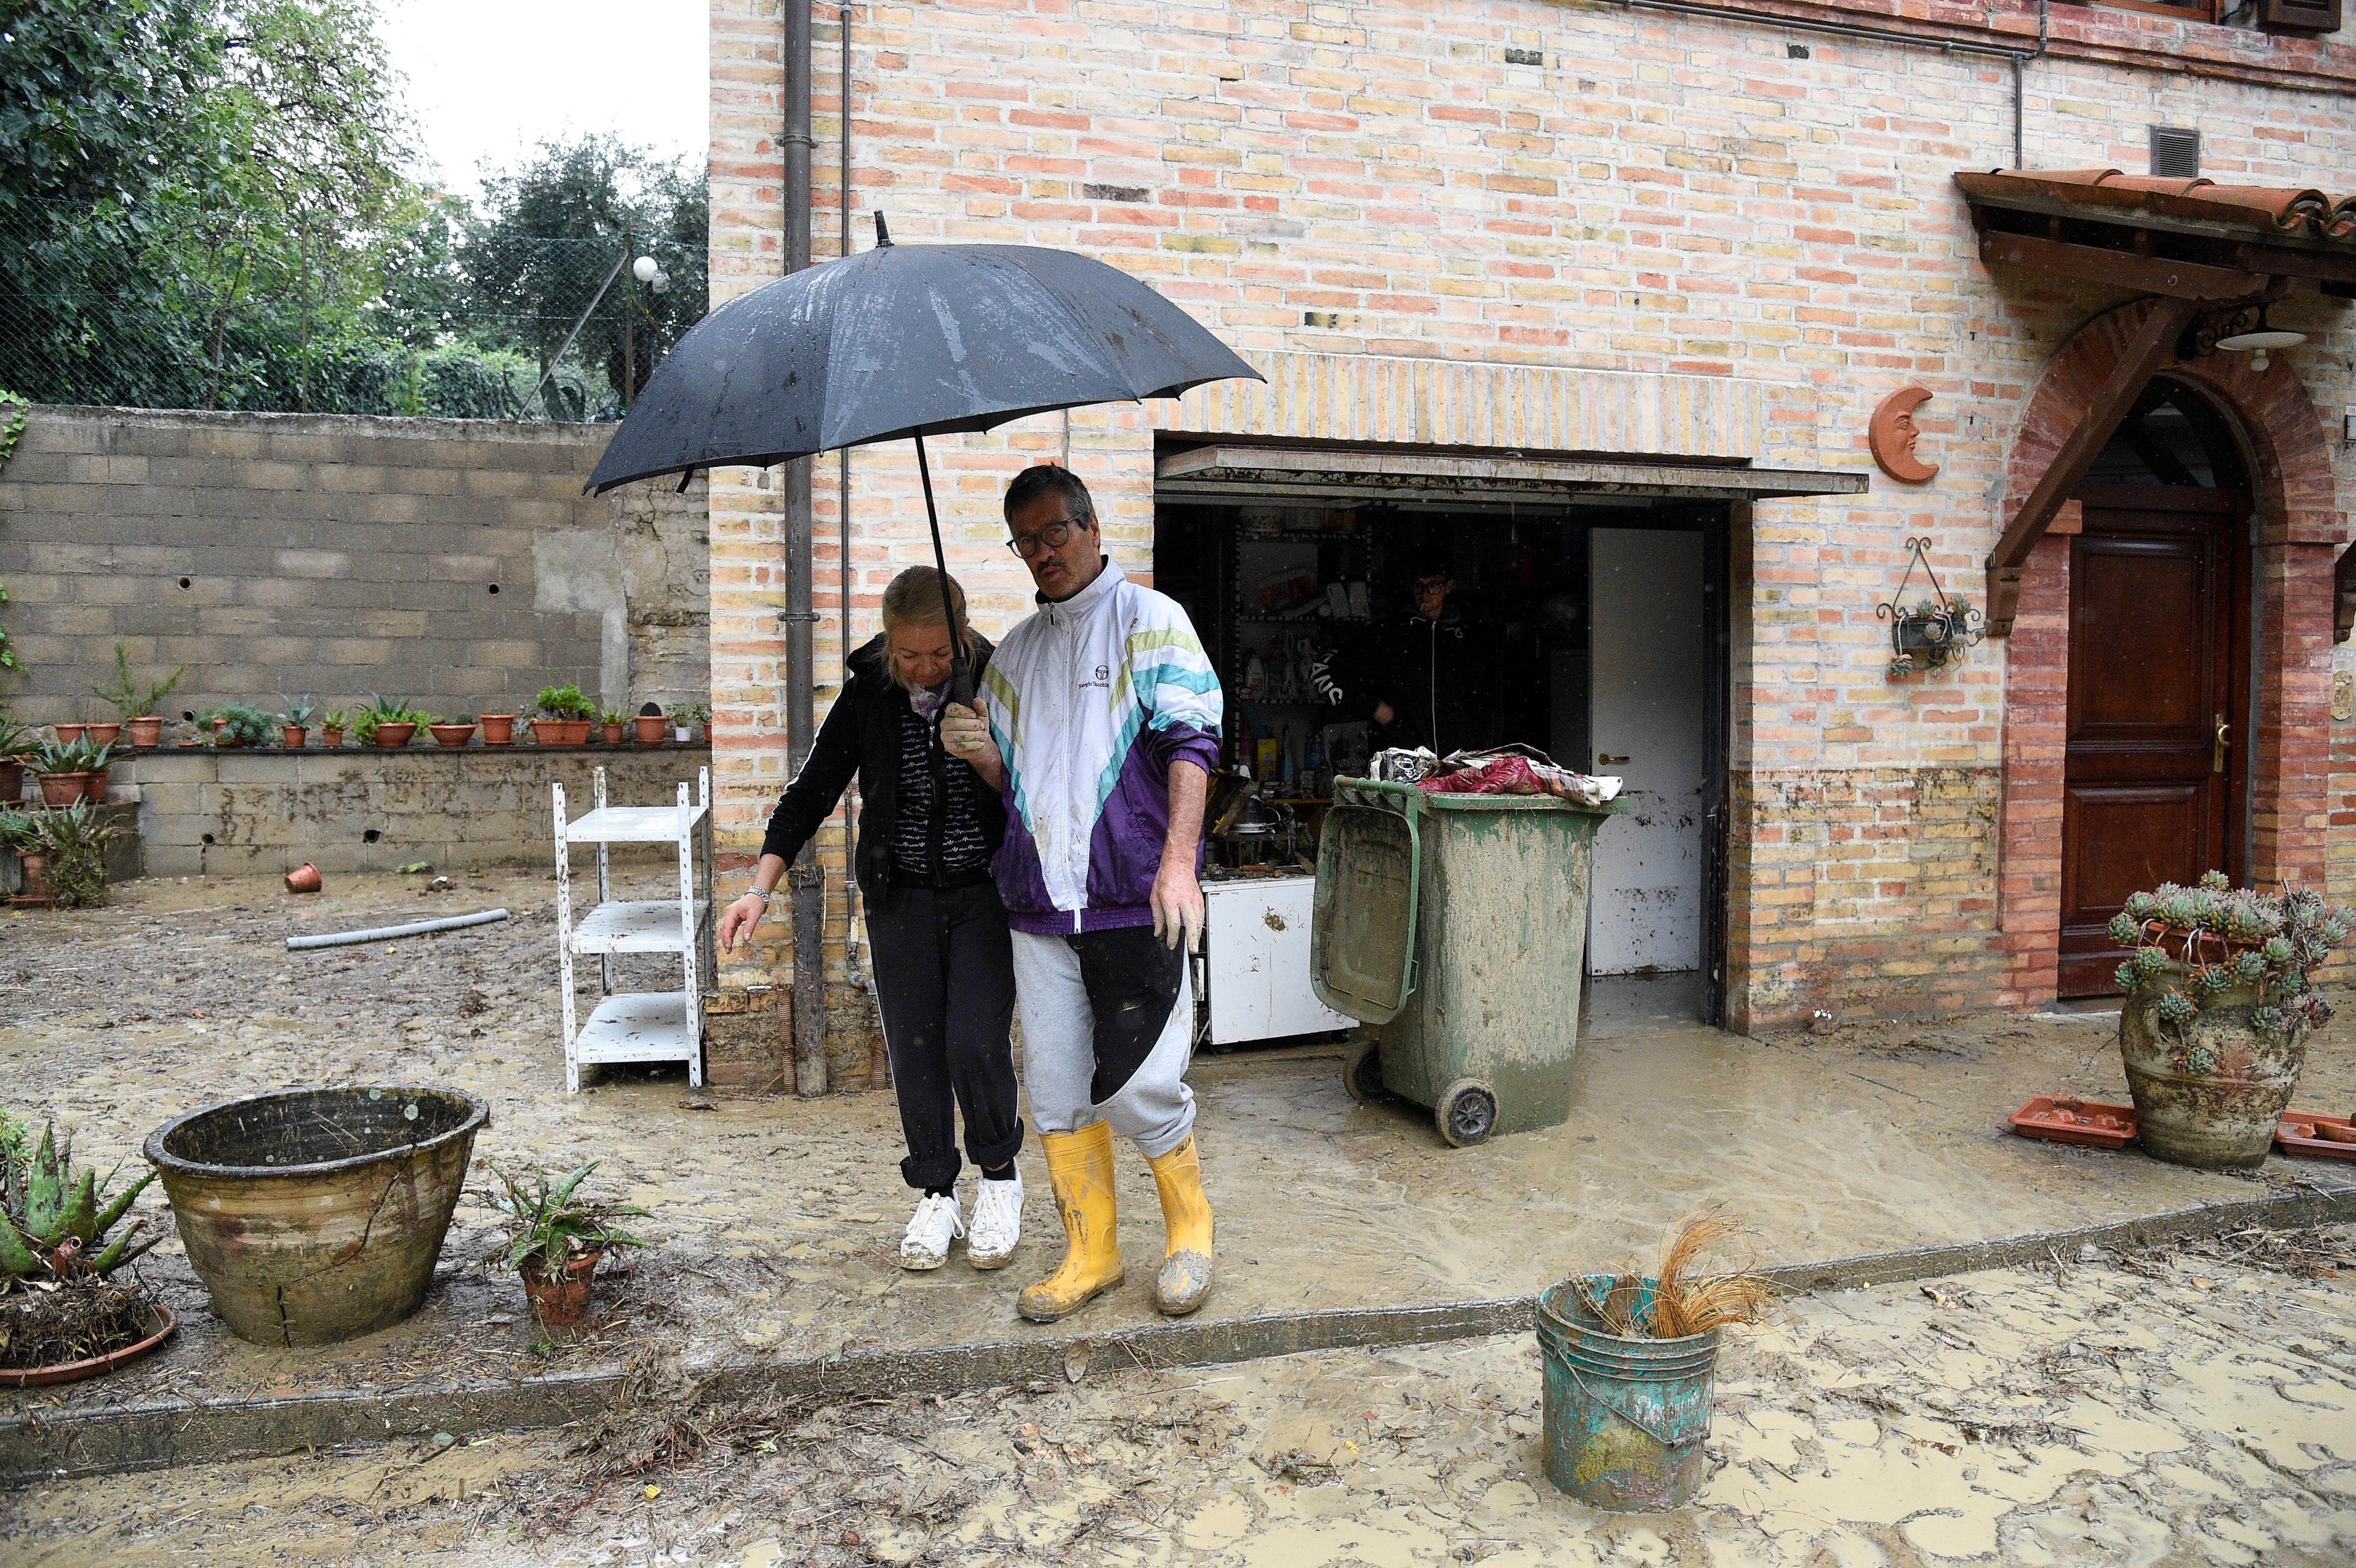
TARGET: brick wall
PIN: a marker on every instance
(1655, 194)
(454, 563)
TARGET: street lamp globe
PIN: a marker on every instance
(644, 269)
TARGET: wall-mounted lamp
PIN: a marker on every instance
(2258, 339)
(2246, 331)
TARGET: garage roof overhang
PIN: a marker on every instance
(1342, 475)
(2202, 249)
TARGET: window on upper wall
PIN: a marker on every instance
(2300, 15)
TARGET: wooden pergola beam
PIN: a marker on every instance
(2151, 347)
(2163, 275)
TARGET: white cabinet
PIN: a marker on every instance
(1255, 968)
(637, 1026)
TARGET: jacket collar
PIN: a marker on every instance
(1063, 612)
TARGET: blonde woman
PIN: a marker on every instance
(944, 967)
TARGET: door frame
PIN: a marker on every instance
(1714, 521)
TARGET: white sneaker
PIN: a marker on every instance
(997, 1223)
(935, 1225)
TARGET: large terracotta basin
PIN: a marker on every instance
(315, 1215)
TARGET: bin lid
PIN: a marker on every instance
(1362, 925)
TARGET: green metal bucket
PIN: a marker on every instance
(1624, 1418)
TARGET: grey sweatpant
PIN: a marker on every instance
(1097, 1046)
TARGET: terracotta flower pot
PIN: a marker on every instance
(613, 734)
(303, 879)
(62, 788)
(160, 1325)
(452, 734)
(498, 729)
(395, 736)
(563, 1300)
(37, 893)
(147, 731)
(69, 733)
(651, 728)
(12, 780)
(331, 738)
(93, 787)
(103, 734)
(559, 732)
(291, 736)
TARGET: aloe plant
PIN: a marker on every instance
(297, 711)
(73, 840)
(52, 1223)
(546, 1224)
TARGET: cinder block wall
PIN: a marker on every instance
(454, 563)
(1568, 186)
(207, 812)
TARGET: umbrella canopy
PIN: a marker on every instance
(906, 340)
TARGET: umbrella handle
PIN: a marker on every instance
(960, 668)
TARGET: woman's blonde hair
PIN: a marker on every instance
(913, 599)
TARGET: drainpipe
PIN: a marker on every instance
(809, 883)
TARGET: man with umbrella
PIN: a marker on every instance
(1099, 722)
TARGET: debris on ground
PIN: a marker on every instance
(2115, 1416)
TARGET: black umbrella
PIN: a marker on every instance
(907, 341)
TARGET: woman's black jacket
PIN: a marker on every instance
(861, 735)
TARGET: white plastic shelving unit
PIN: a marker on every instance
(637, 1026)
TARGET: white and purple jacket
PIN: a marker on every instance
(1091, 701)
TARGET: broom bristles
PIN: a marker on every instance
(1685, 1303)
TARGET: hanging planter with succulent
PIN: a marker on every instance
(1939, 629)
(2219, 1003)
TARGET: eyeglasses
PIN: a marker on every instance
(1054, 536)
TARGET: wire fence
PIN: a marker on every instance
(182, 310)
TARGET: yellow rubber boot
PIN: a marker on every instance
(1184, 1282)
(1079, 1168)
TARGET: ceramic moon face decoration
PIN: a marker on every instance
(1892, 436)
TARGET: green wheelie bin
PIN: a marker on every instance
(1455, 927)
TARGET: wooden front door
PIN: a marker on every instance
(2157, 719)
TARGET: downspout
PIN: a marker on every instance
(860, 964)
(809, 883)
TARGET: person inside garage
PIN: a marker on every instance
(1426, 676)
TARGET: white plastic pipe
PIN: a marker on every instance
(387, 933)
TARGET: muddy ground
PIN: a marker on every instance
(2196, 1405)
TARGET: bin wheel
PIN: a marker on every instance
(1467, 1113)
(1362, 1071)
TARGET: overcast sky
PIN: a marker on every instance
(488, 79)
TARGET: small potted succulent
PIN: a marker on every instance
(388, 724)
(139, 702)
(95, 760)
(651, 724)
(613, 724)
(555, 1240)
(565, 715)
(456, 731)
(498, 729)
(332, 724)
(683, 716)
(240, 726)
(62, 1317)
(2219, 1003)
(294, 723)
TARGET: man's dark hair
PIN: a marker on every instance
(1050, 478)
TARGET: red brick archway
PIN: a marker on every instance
(2296, 534)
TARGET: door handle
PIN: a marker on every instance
(2217, 757)
(1605, 759)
